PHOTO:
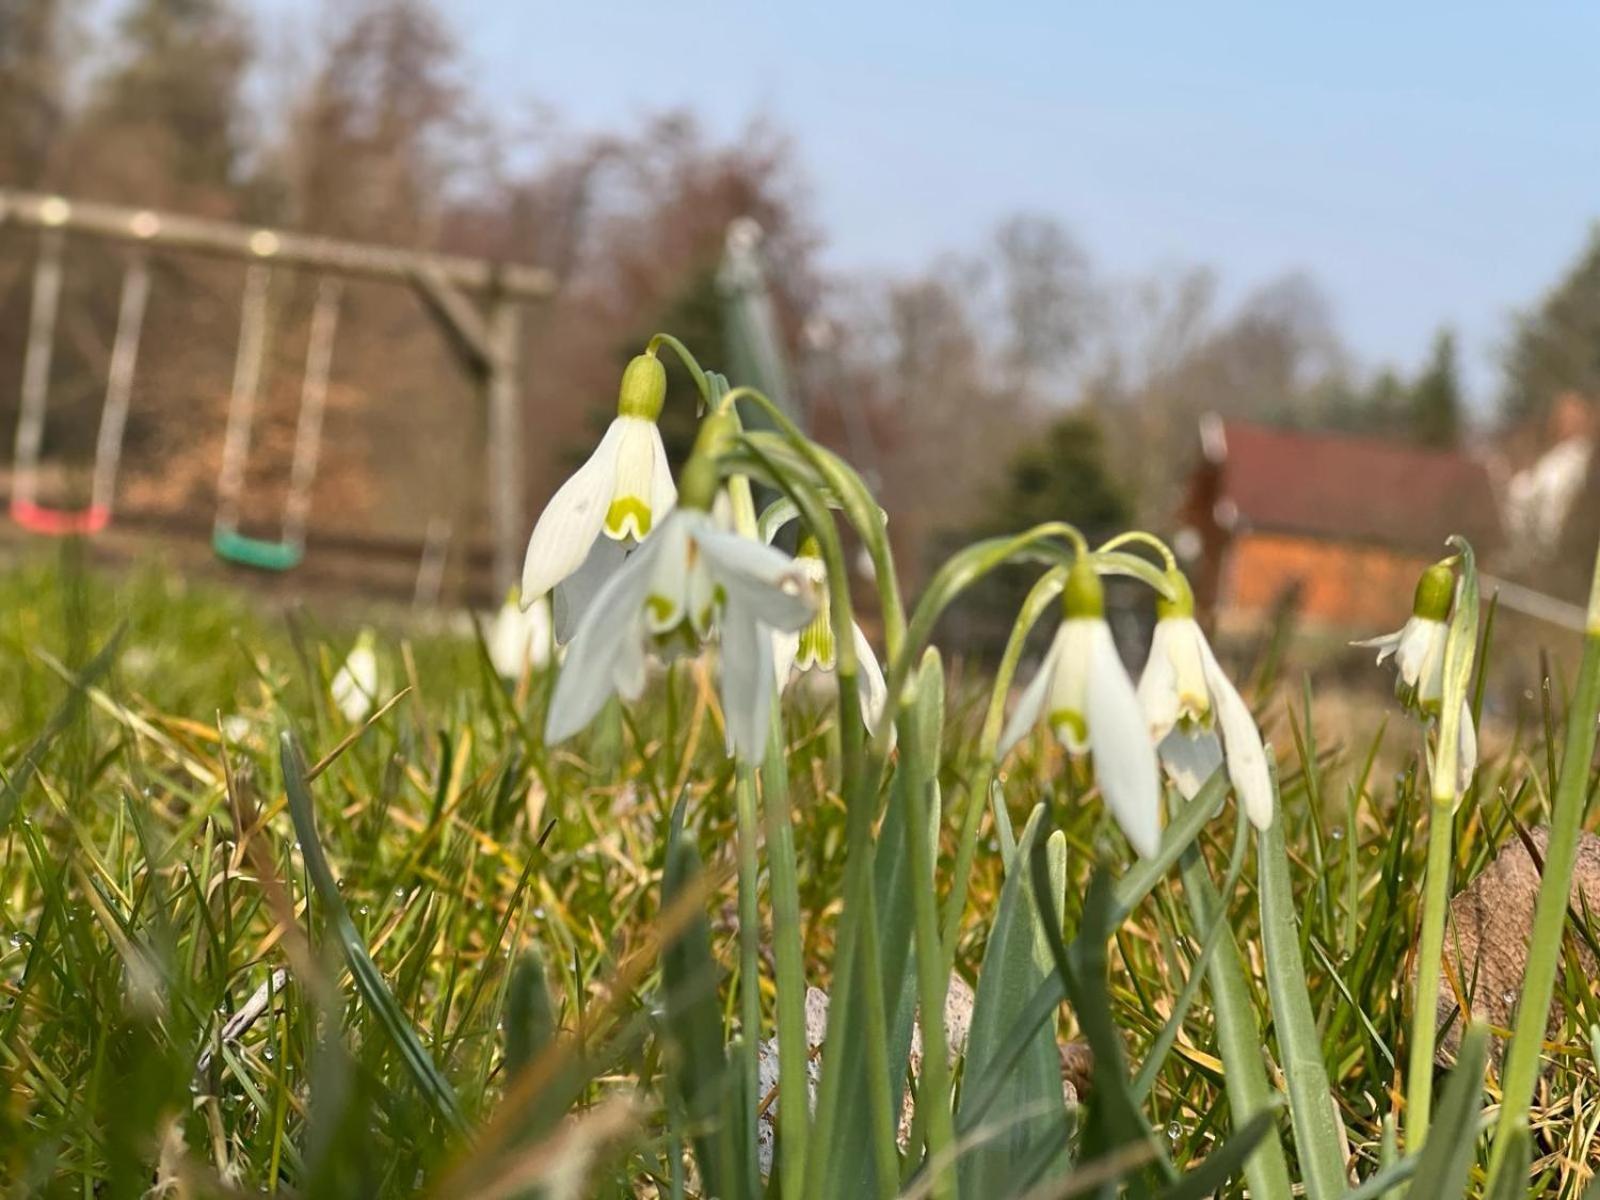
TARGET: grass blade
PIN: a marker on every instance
(368, 980)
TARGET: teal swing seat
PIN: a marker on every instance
(227, 541)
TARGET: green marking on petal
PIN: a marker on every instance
(1077, 729)
(628, 514)
(816, 645)
(660, 607)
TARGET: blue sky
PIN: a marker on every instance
(1425, 163)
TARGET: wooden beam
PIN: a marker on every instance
(229, 240)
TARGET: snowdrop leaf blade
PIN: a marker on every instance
(572, 520)
(1124, 760)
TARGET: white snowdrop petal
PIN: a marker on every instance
(1190, 759)
(747, 682)
(766, 582)
(355, 686)
(1241, 742)
(785, 646)
(572, 596)
(629, 511)
(1158, 684)
(663, 493)
(1066, 706)
(608, 636)
(1466, 752)
(571, 521)
(870, 683)
(1385, 645)
(1124, 759)
(670, 597)
(1030, 705)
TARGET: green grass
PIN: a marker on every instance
(140, 897)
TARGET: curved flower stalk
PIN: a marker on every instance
(1433, 657)
(1418, 652)
(355, 686)
(812, 649)
(1083, 691)
(520, 637)
(622, 492)
(686, 580)
(1197, 718)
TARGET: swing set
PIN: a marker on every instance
(484, 343)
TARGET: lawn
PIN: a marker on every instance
(471, 945)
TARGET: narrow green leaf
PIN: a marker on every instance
(1318, 1134)
(1238, 1032)
(700, 1073)
(1015, 962)
(1446, 1162)
(368, 980)
(1223, 1163)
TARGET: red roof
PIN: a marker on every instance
(1349, 488)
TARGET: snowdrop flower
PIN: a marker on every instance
(688, 578)
(355, 686)
(623, 491)
(520, 638)
(1197, 717)
(1418, 653)
(1085, 694)
(813, 649)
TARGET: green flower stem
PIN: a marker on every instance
(1140, 537)
(744, 791)
(1239, 1040)
(854, 946)
(794, 1102)
(1318, 1131)
(794, 1093)
(933, 980)
(860, 509)
(1039, 601)
(1430, 949)
(1460, 644)
(690, 363)
(1550, 913)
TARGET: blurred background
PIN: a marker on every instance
(1303, 291)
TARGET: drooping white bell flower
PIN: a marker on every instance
(685, 581)
(813, 648)
(1083, 691)
(1197, 718)
(622, 492)
(355, 685)
(1418, 653)
(520, 638)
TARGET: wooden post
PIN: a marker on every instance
(504, 427)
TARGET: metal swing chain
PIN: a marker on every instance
(119, 384)
(36, 369)
(313, 402)
(242, 397)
